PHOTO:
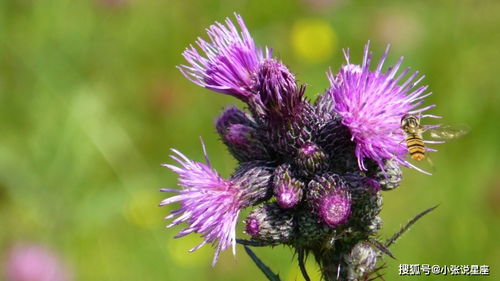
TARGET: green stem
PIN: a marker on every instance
(330, 263)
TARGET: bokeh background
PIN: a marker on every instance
(91, 102)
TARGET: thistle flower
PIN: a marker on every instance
(210, 205)
(372, 103)
(230, 63)
(235, 66)
(325, 164)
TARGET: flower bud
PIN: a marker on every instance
(269, 223)
(366, 204)
(331, 199)
(276, 89)
(324, 107)
(310, 230)
(255, 179)
(335, 139)
(287, 190)
(361, 261)
(232, 115)
(286, 138)
(335, 208)
(310, 159)
(390, 178)
(240, 135)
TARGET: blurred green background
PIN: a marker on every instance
(91, 102)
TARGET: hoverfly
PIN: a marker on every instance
(413, 130)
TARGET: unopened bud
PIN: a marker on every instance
(361, 261)
(310, 159)
(240, 134)
(367, 203)
(288, 191)
(310, 230)
(255, 179)
(269, 223)
(390, 178)
(276, 89)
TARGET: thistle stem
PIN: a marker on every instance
(331, 264)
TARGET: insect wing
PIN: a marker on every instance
(448, 132)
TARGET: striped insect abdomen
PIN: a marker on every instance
(416, 146)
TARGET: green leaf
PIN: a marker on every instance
(405, 228)
(302, 265)
(264, 268)
(251, 243)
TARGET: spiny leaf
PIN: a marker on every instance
(381, 247)
(264, 268)
(302, 267)
(405, 228)
(250, 243)
(378, 274)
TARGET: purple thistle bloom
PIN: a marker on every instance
(314, 173)
(372, 104)
(331, 199)
(230, 63)
(334, 208)
(209, 204)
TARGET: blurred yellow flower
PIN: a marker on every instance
(178, 251)
(313, 40)
(142, 210)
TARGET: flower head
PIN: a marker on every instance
(335, 208)
(372, 104)
(270, 224)
(287, 190)
(310, 159)
(278, 96)
(210, 205)
(230, 62)
(331, 199)
(244, 142)
(361, 260)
